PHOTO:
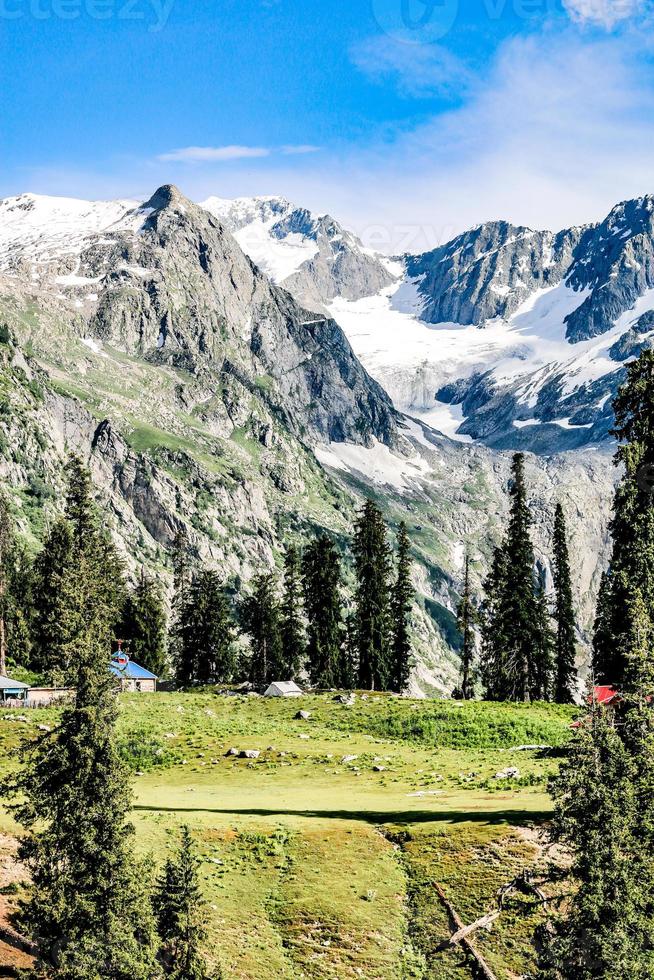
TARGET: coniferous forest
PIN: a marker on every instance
(337, 616)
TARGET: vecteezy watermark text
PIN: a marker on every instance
(152, 13)
(427, 21)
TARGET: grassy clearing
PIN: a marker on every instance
(321, 866)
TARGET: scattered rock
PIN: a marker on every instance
(511, 772)
(346, 699)
(44, 728)
(233, 751)
(250, 754)
(379, 768)
(304, 736)
(348, 758)
(529, 748)
(303, 715)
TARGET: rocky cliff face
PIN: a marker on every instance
(312, 256)
(207, 397)
(489, 272)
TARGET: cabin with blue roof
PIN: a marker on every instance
(132, 676)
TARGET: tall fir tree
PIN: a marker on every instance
(372, 565)
(517, 644)
(180, 914)
(466, 616)
(262, 621)
(15, 598)
(632, 525)
(292, 626)
(604, 816)
(204, 634)
(7, 550)
(144, 625)
(604, 644)
(565, 646)
(327, 657)
(402, 597)
(88, 909)
(78, 581)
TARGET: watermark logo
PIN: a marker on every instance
(416, 21)
(153, 14)
(427, 21)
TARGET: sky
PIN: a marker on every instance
(408, 120)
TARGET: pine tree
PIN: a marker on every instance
(182, 579)
(15, 588)
(328, 661)
(373, 613)
(7, 545)
(262, 621)
(144, 625)
(180, 914)
(516, 641)
(88, 908)
(606, 663)
(292, 627)
(78, 582)
(401, 602)
(632, 526)
(565, 646)
(204, 635)
(604, 816)
(466, 616)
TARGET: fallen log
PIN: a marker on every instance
(14, 939)
(482, 968)
(483, 923)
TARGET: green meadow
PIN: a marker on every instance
(321, 855)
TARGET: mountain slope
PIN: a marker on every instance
(511, 336)
(311, 255)
(205, 397)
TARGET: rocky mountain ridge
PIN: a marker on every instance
(207, 397)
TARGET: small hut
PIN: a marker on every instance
(283, 689)
(131, 675)
(12, 691)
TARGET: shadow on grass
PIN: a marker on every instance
(399, 817)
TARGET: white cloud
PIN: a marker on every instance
(418, 69)
(300, 150)
(555, 132)
(213, 154)
(603, 13)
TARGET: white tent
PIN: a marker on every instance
(283, 689)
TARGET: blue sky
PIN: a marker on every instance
(405, 118)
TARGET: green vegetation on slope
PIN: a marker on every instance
(320, 866)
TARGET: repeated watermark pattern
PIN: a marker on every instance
(427, 21)
(153, 14)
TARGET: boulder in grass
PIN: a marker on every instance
(250, 754)
(303, 716)
(511, 772)
(233, 751)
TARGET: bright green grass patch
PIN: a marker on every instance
(471, 724)
(317, 866)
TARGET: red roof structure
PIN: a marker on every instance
(604, 694)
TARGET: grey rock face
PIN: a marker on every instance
(339, 265)
(489, 271)
(180, 291)
(341, 268)
(615, 260)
